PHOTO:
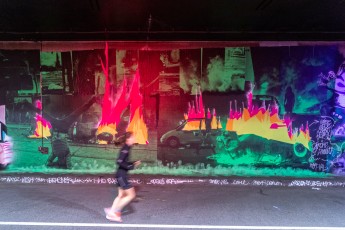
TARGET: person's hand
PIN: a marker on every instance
(137, 163)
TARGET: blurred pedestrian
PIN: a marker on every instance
(126, 192)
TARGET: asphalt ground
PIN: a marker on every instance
(172, 206)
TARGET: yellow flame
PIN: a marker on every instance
(215, 123)
(138, 128)
(41, 131)
(100, 142)
(109, 128)
(195, 124)
(260, 124)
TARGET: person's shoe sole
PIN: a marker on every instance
(114, 218)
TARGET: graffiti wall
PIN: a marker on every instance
(237, 110)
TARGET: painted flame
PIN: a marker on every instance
(196, 112)
(42, 127)
(112, 109)
(265, 124)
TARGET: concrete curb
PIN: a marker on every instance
(77, 179)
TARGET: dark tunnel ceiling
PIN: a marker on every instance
(161, 20)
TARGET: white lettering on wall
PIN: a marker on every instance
(169, 181)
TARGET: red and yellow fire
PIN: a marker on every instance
(42, 125)
(266, 123)
(137, 124)
(112, 108)
(196, 112)
(262, 122)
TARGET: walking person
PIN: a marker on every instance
(126, 192)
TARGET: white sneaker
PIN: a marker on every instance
(106, 210)
(114, 217)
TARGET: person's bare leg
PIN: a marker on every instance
(112, 213)
(120, 195)
(129, 195)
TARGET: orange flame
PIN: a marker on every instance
(262, 123)
(42, 128)
(197, 111)
(138, 127)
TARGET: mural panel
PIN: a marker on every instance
(238, 110)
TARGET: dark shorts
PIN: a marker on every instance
(122, 182)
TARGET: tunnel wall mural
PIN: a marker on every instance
(246, 111)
